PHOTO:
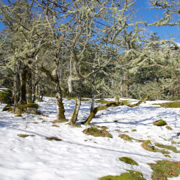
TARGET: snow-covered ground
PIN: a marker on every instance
(79, 156)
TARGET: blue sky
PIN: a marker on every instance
(144, 13)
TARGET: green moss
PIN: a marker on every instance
(53, 138)
(134, 130)
(164, 169)
(170, 104)
(25, 135)
(83, 99)
(168, 127)
(97, 132)
(125, 137)
(171, 148)
(31, 105)
(54, 125)
(147, 145)
(128, 160)
(102, 101)
(8, 107)
(160, 123)
(18, 115)
(5, 95)
(174, 142)
(132, 175)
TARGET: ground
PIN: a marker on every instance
(77, 156)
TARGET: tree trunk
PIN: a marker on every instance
(60, 108)
(76, 111)
(29, 85)
(23, 78)
(16, 91)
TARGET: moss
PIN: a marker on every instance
(131, 175)
(160, 123)
(18, 115)
(97, 132)
(125, 137)
(53, 138)
(5, 95)
(147, 145)
(128, 160)
(168, 127)
(102, 101)
(170, 104)
(171, 148)
(164, 169)
(54, 125)
(25, 135)
(59, 121)
(31, 105)
(174, 142)
(83, 99)
(8, 107)
(134, 130)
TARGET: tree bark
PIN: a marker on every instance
(23, 78)
(29, 85)
(60, 108)
(76, 111)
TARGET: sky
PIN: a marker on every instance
(150, 15)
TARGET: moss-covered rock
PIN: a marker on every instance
(160, 123)
(128, 160)
(125, 137)
(5, 95)
(164, 169)
(97, 132)
(132, 175)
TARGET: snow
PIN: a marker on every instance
(79, 156)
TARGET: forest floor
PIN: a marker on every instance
(32, 147)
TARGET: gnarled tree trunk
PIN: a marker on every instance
(76, 111)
